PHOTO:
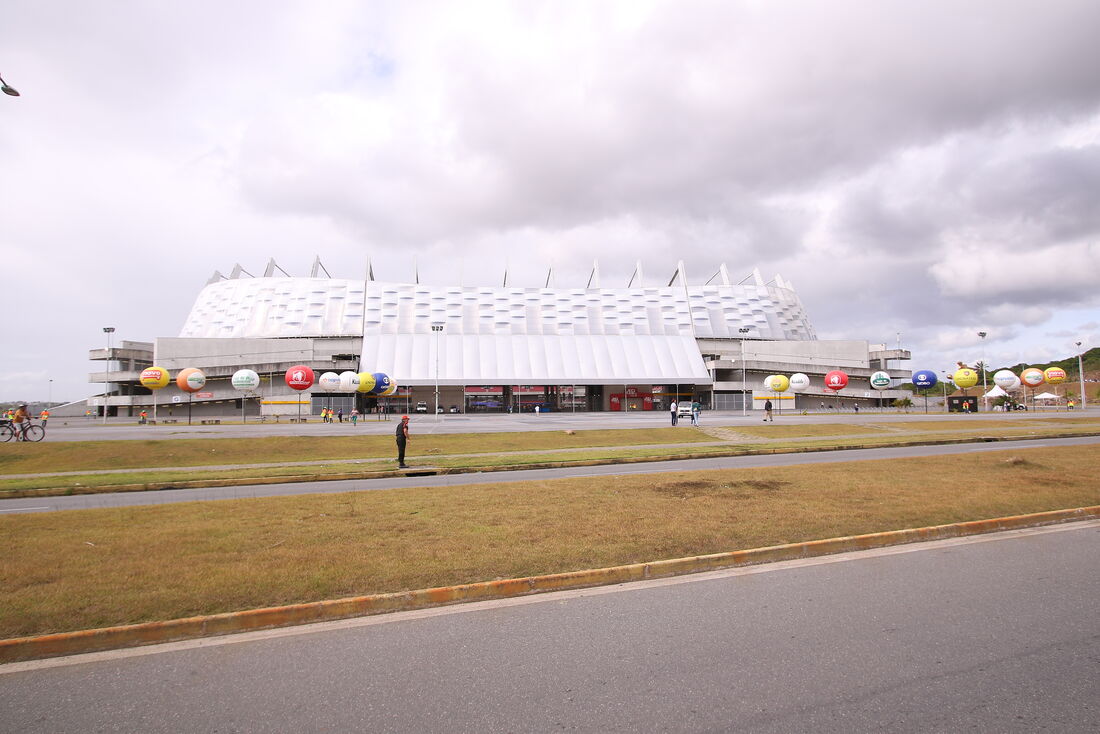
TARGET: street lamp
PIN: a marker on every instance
(744, 408)
(1081, 375)
(10, 91)
(985, 369)
(49, 395)
(437, 328)
(108, 330)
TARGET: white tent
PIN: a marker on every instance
(996, 392)
(1047, 396)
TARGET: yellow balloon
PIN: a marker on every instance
(779, 383)
(154, 378)
(366, 382)
(1054, 375)
(965, 378)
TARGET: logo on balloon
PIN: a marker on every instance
(349, 381)
(965, 378)
(777, 383)
(836, 380)
(329, 382)
(799, 382)
(1005, 379)
(880, 380)
(299, 377)
(366, 382)
(924, 379)
(381, 383)
(1032, 377)
(245, 380)
(1054, 375)
(154, 378)
(190, 380)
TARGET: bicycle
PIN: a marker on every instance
(9, 431)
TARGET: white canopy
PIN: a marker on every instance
(996, 392)
(1047, 396)
(476, 359)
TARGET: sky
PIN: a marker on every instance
(919, 171)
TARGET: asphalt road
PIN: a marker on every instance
(126, 499)
(82, 429)
(999, 633)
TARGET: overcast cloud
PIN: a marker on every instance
(928, 169)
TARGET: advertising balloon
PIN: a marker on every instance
(329, 382)
(1054, 375)
(190, 380)
(799, 382)
(836, 380)
(924, 379)
(299, 377)
(880, 380)
(778, 383)
(366, 382)
(245, 380)
(349, 381)
(154, 378)
(1032, 377)
(1005, 379)
(391, 390)
(381, 383)
(965, 378)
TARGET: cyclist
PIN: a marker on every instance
(20, 421)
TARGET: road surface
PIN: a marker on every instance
(999, 633)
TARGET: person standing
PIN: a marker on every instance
(673, 409)
(143, 417)
(402, 436)
(45, 414)
(355, 416)
(768, 411)
(340, 415)
(695, 412)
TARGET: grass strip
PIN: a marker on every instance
(92, 568)
(94, 455)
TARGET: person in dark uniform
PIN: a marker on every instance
(402, 436)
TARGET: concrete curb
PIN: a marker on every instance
(389, 473)
(111, 638)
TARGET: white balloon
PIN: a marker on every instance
(799, 382)
(245, 380)
(880, 380)
(1006, 379)
(349, 381)
(329, 382)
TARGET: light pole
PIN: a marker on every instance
(436, 328)
(944, 382)
(49, 395)
(108, 330)
(985, 369)
(744, 407)
(10, 91)
(1081, 375)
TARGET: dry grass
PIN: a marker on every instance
(81, 569)
(93, 455)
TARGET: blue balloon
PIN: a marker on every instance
(924, 379)
(381, 383)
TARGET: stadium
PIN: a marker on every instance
(464, 349)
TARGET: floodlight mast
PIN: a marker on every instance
(8, 90)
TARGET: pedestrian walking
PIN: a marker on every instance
(340, 415)
(768, 411)
(695, 412)
(45, 414)
(402, 436)
(673, 409)
(144, 417)
(355, 416)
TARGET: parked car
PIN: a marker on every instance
(421, 407)
(454, 408)
(683, 409)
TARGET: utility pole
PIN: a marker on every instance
(1081, 375)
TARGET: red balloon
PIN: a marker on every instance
(299, 377)
(836, 380)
